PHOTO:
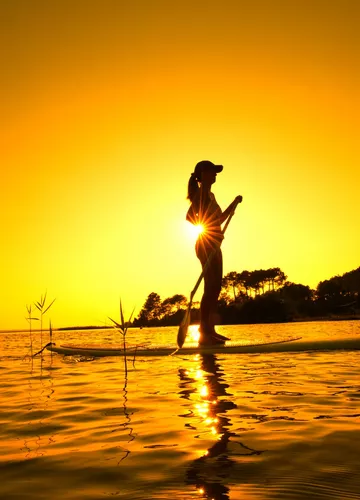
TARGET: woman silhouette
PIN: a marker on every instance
(205, 211)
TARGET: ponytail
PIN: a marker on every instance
(193, 187)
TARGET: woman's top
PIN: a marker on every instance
(204, 210)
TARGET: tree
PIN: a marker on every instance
(275, 278)
(224, 299)
(173, 304)
(264, 308)
(231, 281)
(151, 310)
(351, 282)
(280, 277)
(254, 281)
(330, 289)
(179, 301)
(339, 293)
(166, 307)
(244, 281)
(296, 292)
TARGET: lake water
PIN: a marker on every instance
(267, 426)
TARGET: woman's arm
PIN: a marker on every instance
(230, 208)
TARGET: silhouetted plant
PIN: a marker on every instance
(123, 328)
(29, 319)
(41, 306)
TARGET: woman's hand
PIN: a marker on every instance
(230, 209)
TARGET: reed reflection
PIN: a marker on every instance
(127, 424)
(204, 383)
(40, 393)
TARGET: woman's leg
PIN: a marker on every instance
(212, 288)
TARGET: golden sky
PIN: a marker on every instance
(107, 106)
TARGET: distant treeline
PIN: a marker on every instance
(83, 327)
(263, 296)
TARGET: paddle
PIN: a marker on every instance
(184, 325)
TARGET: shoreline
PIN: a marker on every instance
(350, 317)
(353, 317)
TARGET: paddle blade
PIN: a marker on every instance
(183, 328)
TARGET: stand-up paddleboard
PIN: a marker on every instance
(288, 345)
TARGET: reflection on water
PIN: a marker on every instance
(39, 392)
(127, 424)
(210, 471)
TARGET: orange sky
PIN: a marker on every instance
(108, 105)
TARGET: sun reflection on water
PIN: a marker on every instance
(206, 388)
(205, 407)
(193, 333)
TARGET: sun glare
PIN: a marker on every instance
(193, 333)
(195, 230)
(198, 229)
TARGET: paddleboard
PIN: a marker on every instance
(288, 345)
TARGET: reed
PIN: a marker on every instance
(122, 328)
(29, 319)
(51, 337)
(43, 309)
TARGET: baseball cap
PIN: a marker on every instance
(204, 166)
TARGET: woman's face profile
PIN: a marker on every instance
(208, 177)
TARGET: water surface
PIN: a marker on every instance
(266, 426)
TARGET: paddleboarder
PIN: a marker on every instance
(205, 211)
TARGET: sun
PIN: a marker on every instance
(193, 231)
(196, 230)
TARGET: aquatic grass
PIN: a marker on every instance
(43, 308)
(29, 319)
(123, 328)
(51, 336)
